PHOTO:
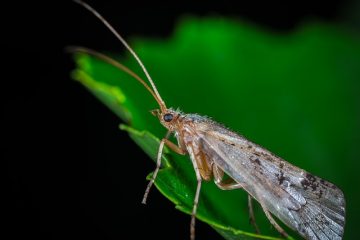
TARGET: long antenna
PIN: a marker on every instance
(115, 64)
(107, 24)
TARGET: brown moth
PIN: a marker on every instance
(313, 207)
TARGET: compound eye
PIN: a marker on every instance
(168, 117)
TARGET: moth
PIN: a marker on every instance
(313, 207)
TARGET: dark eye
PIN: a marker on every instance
(168, 117)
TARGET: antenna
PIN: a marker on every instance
(117, 35)
(115, 64)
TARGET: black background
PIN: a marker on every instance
(70, 173)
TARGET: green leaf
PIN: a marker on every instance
(296, 94)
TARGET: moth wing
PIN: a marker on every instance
(306, 203)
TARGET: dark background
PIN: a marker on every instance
(70, 173)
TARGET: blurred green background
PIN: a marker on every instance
(296, 94)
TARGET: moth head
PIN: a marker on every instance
(168, 118)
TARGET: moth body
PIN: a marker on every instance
(308, 204)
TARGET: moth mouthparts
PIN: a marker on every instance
(154, 112)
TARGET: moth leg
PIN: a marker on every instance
(196, 200)
(251, 214)
(224, 184)
(158, 164)
(218, 175)
(273, 222)
(174, 147)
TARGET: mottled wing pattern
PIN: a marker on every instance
(306, 203)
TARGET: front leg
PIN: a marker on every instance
(172, 146)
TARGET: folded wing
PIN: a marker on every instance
(306, 203)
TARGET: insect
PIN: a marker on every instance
(313, 207)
